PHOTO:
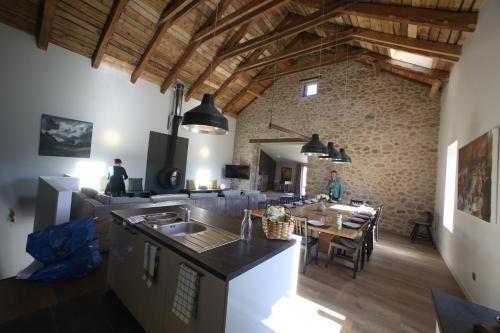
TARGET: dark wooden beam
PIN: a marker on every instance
(282, 140)
(431, 17)
(172, 13)
(48, 14)
(191, 48)
(346, 54)
(248, 12)
(302, 23)
(253, 56)
(427, 48)
(443, 19)
(217, 60)
(288, 131)
(107, 32)
(305, 48)
(407, 70)
(266, 70)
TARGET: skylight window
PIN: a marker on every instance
(310, 88)
(411, 58)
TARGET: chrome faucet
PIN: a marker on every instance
(187, 213)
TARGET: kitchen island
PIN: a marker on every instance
(238, 282)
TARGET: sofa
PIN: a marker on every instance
(89, 202)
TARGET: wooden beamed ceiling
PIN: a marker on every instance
(235, 48)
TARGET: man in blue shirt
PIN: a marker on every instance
(334, 188)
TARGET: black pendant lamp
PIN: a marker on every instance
(314, 147)
(333, 154)
(205, 118)
(344, 158)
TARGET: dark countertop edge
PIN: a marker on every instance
(184, 251)
(472, 309)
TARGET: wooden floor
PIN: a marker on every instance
(392, 294)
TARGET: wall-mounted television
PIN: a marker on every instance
(237, 171)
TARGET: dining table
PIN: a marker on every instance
(328, 217)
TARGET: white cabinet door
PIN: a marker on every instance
(125, 277)
(125, 265)
(152, 299)
(210, 312)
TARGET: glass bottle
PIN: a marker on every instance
(246, 226)
(339, 221)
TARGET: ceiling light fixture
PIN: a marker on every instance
(205, 118)
(333, 154)
(315, 147)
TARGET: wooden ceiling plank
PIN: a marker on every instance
(47, 19)
(217, 60)
(420, 73)
(107, 32)
(325, 61)
(192, 47)
(305, 48)
(301, 23)
(464, 21)
(424, 47)
(248, 12)
(171, 14)
(253, 56)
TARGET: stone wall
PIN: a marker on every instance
(388, 124)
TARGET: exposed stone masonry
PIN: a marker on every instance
(388, 124)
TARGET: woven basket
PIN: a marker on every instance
(274, 229)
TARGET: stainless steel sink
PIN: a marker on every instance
(197, 236)
(181, 228)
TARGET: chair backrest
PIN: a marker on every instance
(430, 217)
(190, 184)
(376, 218)
(356, 202)
(300, 226)
(213, 184)
(135, 185)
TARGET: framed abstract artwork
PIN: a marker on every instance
(478, 177)
(65, 137)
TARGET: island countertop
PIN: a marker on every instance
(225, 262)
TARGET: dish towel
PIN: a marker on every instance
(150, 263)
(186, 295)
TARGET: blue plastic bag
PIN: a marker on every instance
(81, 263)
(60, 241)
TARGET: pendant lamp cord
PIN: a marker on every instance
(213, 40)
(274, 93)
(320, 48)
(346, 83)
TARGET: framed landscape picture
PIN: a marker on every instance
(478, 177)
(65, 137)
(286, 174)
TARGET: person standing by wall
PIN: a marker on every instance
(334, 187)
(116, 179)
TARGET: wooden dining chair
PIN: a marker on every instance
(308, 242)
(348, 252)
(373, 232)
(427, 223)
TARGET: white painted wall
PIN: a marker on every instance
(62, 83)
(471, 107)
